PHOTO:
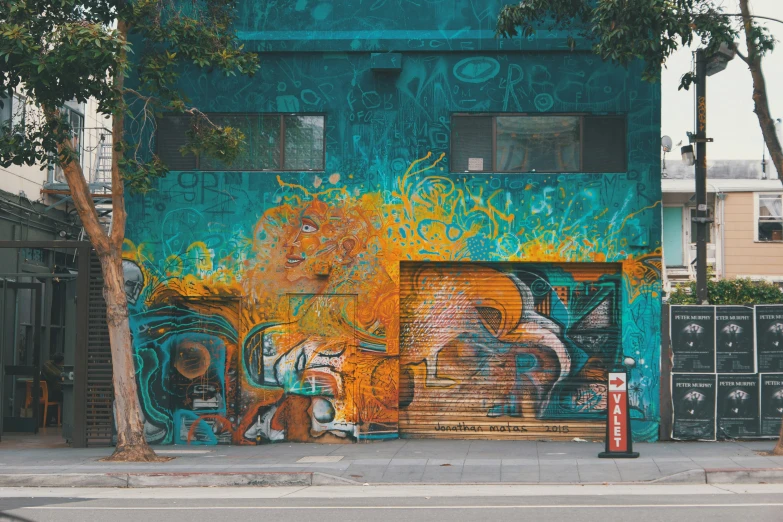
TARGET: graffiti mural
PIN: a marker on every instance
(509, 347)
(273, 306)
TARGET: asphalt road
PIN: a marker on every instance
(758, 503)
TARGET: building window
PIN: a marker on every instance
(537, 143)
(770, 217)
(694, 225)
(13, 112)
(277, 142)
(76, 121)
(5, 109)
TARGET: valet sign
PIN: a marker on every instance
(618, 426)
(618, 416)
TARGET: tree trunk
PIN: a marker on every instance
(779, 446)
(761, 103)
(765, 120)
(131, 444)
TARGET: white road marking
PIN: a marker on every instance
(518, 506)
(394, 491)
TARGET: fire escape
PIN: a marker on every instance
(95, 150)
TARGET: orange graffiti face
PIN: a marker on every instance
(306, 249)
(314, 237)
(311, 246)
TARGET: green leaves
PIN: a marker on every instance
(140, 176)
(64, 50)
(523, 19)
(729, 292)
(221, 143)
(623, 31)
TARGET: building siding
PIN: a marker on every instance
(744, 255)
(315, 356)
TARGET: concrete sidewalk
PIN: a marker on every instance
(398, 461)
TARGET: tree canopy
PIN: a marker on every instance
(626, 30)
(623, 31)
(71, 50)
(58, 51)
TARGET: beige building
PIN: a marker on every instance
(39, 272)
(46, 185)
(746, 236)
(753, 233)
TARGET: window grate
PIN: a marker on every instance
(273, 142)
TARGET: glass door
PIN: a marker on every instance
(672, 236)
(20, 355)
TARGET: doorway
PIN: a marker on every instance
(20, 356)
(672, 237)
(39, 315)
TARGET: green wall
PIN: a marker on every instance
(216, 307)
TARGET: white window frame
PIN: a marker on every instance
(68, 111)
(12, 100)
(756, 197)
(7, 111)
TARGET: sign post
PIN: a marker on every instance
(619, 442)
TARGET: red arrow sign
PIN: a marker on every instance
(616, 382)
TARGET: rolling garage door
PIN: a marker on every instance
(517, 351)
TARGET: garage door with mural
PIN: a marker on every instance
(507, 350)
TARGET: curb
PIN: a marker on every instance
(745, 476)
(172, 480)
(308, 478)
(724, 476)
(691, 476)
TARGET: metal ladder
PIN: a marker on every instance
(101, 173)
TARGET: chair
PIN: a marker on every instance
(46, 403)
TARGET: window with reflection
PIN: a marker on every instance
(770, 217)
(538, 143)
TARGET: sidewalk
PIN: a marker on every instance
(398, 461)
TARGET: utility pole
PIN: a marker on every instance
(702, 216)
(705, 66)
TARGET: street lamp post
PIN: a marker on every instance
(702, 216)
(705, 66)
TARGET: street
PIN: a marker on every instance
(575, 503)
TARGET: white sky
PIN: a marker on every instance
(730, 117)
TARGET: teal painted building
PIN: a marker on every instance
(431, 233)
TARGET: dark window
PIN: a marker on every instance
(171, 137)
(603, 144)
(272, 142)
(472, 139)
(538, 143)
